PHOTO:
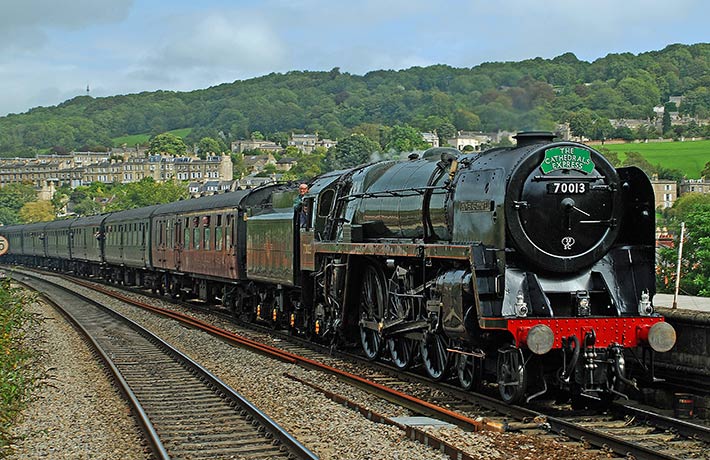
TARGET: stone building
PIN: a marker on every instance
(307, 143)
(244, 145)
(465, 138)
(161, 169)
(665, 191)
(701, 185)
(431, 138)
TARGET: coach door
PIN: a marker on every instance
(178, 242)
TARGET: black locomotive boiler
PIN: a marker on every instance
(531, 267)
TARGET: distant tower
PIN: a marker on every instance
(87, 89)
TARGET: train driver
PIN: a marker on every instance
(301, 206)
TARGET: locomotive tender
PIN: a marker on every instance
(532, 264)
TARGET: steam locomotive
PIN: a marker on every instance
(531, 267)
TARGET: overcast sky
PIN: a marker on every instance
(50, 50)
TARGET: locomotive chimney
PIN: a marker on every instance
(533, 137)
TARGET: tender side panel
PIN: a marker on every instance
(270, 248)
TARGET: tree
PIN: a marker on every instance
(86, 207)
(280, 138)
(269, 170)
(60, 199)
(602, 128)
(669, 173)
(308, 166)
(373, 131)
(706, 170)
(623, 132)
(445, 131)
(167, 143)
(37, 211)
(146, 192)
(666, 123)
(636, 159)
(8, 216)
(687, 203)
(14, 196)
(694, 210)
(351, 151)
(239, 170)
(404, 138)
(695, 278)
(612, 157)
(582, 123)
(207, 146)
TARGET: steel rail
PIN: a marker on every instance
(144, 421)
(292, 445)
(588, 435)
(390, 394)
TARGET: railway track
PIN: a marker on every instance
(624, 431)
(184, 410)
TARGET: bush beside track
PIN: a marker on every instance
(20, 372)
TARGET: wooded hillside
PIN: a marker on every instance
(532, 94)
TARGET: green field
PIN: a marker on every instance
(689, 156)
(134, 139)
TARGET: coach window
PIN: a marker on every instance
(177, 233)
(230, 231)
(218, 234)
(207, 233)
(196, 234)
(187, 238)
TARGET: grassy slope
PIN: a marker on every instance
(134, 139)
(689, 156)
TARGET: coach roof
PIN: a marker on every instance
(223, 200)
(132, 214)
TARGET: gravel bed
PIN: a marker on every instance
(78, 413)
(329, 429)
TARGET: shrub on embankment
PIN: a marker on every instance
(20, 373)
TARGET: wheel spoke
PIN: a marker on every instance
(435, 357)
(512, 382)
(401, 351)
(371, 308)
